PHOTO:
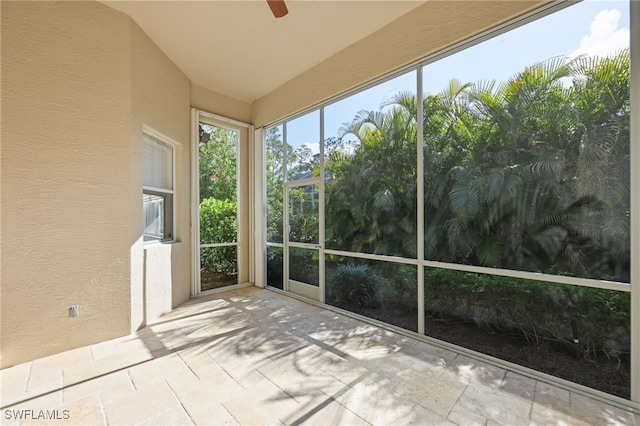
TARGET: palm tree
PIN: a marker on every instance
(529, 174)
(529, 194)
(371, 200)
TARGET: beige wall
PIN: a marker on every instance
(79, 82)
(161, 273)
(425, 30)
(65, 176)
(207, 100)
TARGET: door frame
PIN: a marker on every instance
(320, 180)
(243, 233)
(302, 289)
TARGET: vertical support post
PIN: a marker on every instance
(285, 213)
(634, 14)
(254, 189)
(258, 147)
(195, 196)
(420, 190)
(321, 236)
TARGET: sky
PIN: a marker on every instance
(592, 27)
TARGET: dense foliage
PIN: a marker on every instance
(529, 174)
(356, 284)
(218, 198)
(275, 181)
(593, 321)
(218, 157)
(218, 224)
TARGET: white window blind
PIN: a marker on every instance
(157, 163)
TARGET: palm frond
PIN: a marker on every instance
(403, 98)
(383, 200)
(464, 200)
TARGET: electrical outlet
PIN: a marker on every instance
(74, 311)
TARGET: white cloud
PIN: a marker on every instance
(604, 38)
(314, 147)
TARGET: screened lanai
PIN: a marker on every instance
(479, 197)
(457, 180)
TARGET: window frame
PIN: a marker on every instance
(169, 209)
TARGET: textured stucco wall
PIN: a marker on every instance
(425, 30)
(160, 104)
(207, 100)
(79, 82)
(66, 132)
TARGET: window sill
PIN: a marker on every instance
(152, 243)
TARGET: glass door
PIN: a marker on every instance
(218, 184)
(302, 246)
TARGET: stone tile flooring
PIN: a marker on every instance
(254, 357)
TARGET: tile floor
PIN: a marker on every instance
(255, 357)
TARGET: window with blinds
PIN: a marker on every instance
(158, 188)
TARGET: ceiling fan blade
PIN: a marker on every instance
(278, 8)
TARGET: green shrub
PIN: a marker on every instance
(536, 310)
(401, 288)
(356, 285)
(222, 260)
(303, 265)
(274, 267)
(218, 224)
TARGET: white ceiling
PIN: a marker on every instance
(224, 45)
